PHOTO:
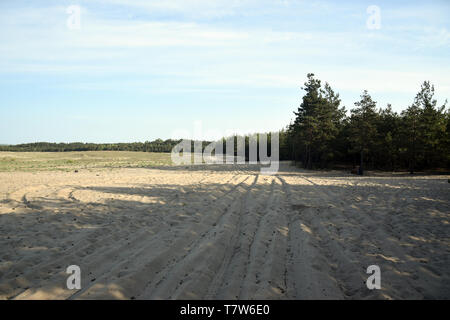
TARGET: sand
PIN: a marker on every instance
(223, 232)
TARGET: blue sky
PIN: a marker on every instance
(139, 70)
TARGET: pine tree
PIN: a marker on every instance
(304, 129)
(317, 123)
(331, 122)
(388, 140)
(425, 130)
(363, 128)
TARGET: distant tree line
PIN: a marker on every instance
(153, 146)
(323, 135)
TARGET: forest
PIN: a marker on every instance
(157, 145)
(325, 135)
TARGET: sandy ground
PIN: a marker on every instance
(223, 232)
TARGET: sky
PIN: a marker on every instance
(138, 70)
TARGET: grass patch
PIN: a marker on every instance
(67, 161)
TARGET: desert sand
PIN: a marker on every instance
(223, 232)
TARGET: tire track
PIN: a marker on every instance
(230, 279)
(263, 265)
(91, 245)
(160, 263)
(306, 268)
(221, 233)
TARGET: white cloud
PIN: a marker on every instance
(204, 56)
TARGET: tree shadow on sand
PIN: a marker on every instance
(132, 241)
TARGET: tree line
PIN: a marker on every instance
(323, 135)
(157, 145)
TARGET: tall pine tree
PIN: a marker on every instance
(363, 129)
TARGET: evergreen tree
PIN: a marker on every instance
(316, 125)
(363, 127)
(425, 130)
(306, 124)
(388, 142)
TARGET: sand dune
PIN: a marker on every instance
(223, 232)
